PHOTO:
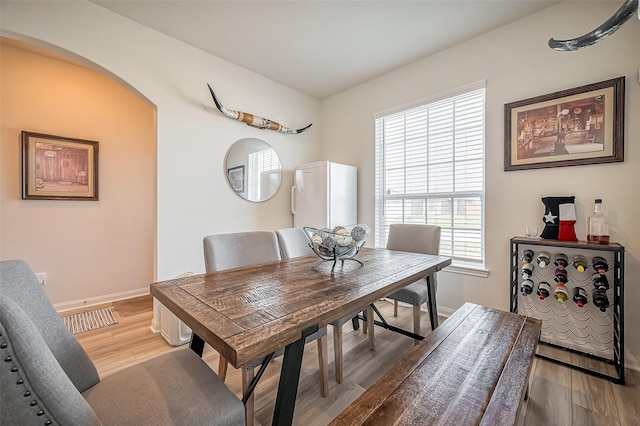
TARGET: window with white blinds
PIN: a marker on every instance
(430, 169)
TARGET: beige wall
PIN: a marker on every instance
(90, 250)
(516, 64)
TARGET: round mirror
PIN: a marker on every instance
(253, 169)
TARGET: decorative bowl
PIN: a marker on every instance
(340, 243)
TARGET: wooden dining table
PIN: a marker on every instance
(250, 312)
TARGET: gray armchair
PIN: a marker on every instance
(47, 377)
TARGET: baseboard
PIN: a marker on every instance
(99, 300)
(155, 326)
(445, 312)
(442, 311)
(631, 362)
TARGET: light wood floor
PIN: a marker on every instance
(558, 395)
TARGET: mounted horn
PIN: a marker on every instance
(610, 26)
(254, 120)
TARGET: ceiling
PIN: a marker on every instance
(323, 47)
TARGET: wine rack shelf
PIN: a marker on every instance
(584, 338)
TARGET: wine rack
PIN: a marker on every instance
(584, 338)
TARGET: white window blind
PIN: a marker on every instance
(430, 169)
(263, 173)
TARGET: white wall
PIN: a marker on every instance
(193, 198)
(517, 64)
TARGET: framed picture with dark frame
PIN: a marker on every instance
(583, 125)
(235, 176)
(58, 168)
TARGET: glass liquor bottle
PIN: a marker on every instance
(598, 232)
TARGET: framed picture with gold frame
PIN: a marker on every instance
(583, 125)
(58, 168)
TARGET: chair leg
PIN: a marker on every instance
(222, 368)
(416, 322)
(364, 322)
(395, 308)
(370, 325)
(337, 351)
(247, 377)
(323, 355)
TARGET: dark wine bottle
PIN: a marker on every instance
(600, 281)
(527, 256)
(561, 276)
(544, 290)
(600, 299)
(580, 296)
(526, 287)
(527, 271)
(600, 265)
(561, 261)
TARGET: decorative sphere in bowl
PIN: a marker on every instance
(341, 242)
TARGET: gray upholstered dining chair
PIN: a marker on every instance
(415, 238)
(48, 378)
(293, 243)
(234, 250)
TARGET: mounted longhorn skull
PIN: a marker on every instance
(254, 120)
(610, 26)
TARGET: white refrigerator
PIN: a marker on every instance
(324, 195)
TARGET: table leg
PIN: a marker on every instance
(433, 307)
(196, 344)
(289, 378)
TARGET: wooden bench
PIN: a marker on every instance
(472, 370)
